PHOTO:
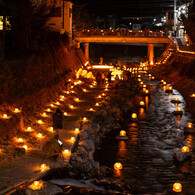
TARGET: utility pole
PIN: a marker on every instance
(175, 16)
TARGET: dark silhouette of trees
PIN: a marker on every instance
(28, 27)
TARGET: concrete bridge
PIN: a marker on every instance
(122, 36)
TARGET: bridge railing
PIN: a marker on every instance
(123, 32)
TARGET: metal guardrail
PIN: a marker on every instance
(123, 32)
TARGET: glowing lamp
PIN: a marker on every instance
(189, 125)
(44, 168)
(122, 133)
(91, 86)
(65, 113)
(61, 99)
(39, 135)
(5, 116)
(84, 119)
(36, 185)
(61, 96)
(118, 166)
(25, 147)
(71, 106)
(67, 92)
(193, 95)
(139, 76)
(48, 110)
(97, 104)
(178, 109)
(144, 86)
(69, 80)
(152, 78)
(164, 83)
(52, 105)
(77, 99)
(142, 103)
(170, 88)
(177, 187)
(40, 122)
(141, 83)
(72, 139)
(185, 149)
(29, 129)
(91, 109)
(84, 90)
(57, 103)
(20, 140)
(103, 94)
(51, 129)
(44, 114)
(16, 110)
(66, 152)
(146, 91)
(139, 80)
(134, 116)
(149, 75)
(99, 96)
(76, 130)
(176, 99)
(72, 91)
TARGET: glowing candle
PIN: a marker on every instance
(149, 75)
(48, 110)
(71, 106)
(36, 185)
(57, 103)
(170, 88)
(144, 86)
(91, 86)
(99, 96)
(16, 110)
(91, 109)
(52, 105)
(134, 116)
(142, 103)
(44, 114)
(29, 129)
(72, 139)
(44, 168)
(178, 109)
(185, 149)
(189, 125)
(5, 116)
(77, 99)
(177, 187)
(39, 135)
(176, 99)
(84, 119)
(118, 166)
(69, 80)
(67, 92)
(65, 113)
(193, 95)
(164, 83)
(20, 140)
(25, 147)
(84, 90)
(152, 78)
(97, 104)
(122, 133)
(40, 122)
(51, 129)
(103, 94)
(66, 152)
(146, 91)
(76, 130)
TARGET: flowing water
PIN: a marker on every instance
(147, 155)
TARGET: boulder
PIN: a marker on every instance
(182, 156)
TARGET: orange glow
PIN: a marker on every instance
(142, 103)
(101, 67)
(170, 88)
(57, 103)
(177, 187)
(118, 166)
(66, 152)
(84, 90)
(67, 92)
(19, 140)
(76, 130)
(36, 185)
(91, 109)
(52, 105)
(134, 116)
(16, 110)
(149, 75)
(176, 99)
(99, 96)
(65, 113)
(40, 122)
(153, 78)
(44, 114)
(71, 106)
(144, 86)
(146, 91)
(39, 135)
(185, 149)
(84, 119)
(29, 129)
(189, 125)
(44, 168)
(51, 129)
(48, 110)
(5, 116)
(97, 104)
(122, 133)
(25, 147)
(164, 83)
(77, 99)
(72, 140)
(193, 95)
(178, 109)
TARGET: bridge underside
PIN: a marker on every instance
(150, 41)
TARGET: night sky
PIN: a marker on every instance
(129, 7)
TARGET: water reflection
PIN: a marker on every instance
(142, 113)
(146, 102)
(122, 152)
(190, 141)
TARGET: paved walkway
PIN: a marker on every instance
(27, 167)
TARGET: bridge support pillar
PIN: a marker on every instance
(87, 51)
(151, 53)
(78, 45)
